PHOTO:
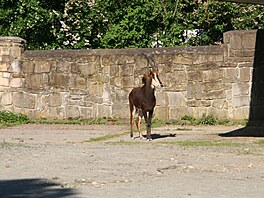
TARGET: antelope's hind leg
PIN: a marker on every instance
(138, 123)
(131, 120)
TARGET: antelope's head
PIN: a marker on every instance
(152, 76)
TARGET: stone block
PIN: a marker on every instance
(107, 60)
(231, 74)
(36, 81)
(55, 100)
(178, 112)
(195, 76)
(7, 98)
(120, 109)
(162, 99)
(240, 89)
(63, 66)
(16, 82)
(245, 74)
(15, 66)
(60, 80)
(72, 112)
(4, 81)
(194, 90)
(249, 40)
(185, 59)
(42, 66)
(125, 59)
(104, 111)
(24, 100)
(127, 70)
(240, 101)
(27, 66)
(241, 113)
(95, 89)
(4, 51)
(215, 94)
(176, 99)
(161, 112)
(128, 82)
(211, 86)
(4, 66)
(215, 58)
(88, 69)
(86, 112)
(215, 74)
(219, 104)
(200, 59)
(235, 40)
(16, 51)
(79, 83)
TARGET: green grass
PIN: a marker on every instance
(8, 119)
(11, 119)
(205, 120)
(260, 142)
(187, 143)
(106, 137)
(199, 143)
(82, 121)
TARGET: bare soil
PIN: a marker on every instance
(56, 161)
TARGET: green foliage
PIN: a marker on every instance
(8, 118)
(208, 120)
(80, 24)
(32, 20)
(202, 143)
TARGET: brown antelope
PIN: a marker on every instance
(142, 100)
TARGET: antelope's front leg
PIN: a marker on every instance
(148, 118)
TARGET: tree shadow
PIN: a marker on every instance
(248, 131)
(255, 126)
(37, 188)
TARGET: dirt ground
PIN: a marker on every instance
(55, 161)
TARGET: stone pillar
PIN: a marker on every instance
(11, 49)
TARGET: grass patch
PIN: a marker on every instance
(205, 120)
(106, 137)
(203, 143)
(260, 142)
(8, 119)
(8, 145)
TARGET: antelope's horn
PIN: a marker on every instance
(150, 61)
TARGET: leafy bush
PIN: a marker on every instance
(81, 24)
(8, 118)
(208, 120)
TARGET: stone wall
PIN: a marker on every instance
(209, 80)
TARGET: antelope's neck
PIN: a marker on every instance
(149, 89)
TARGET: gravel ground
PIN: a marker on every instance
(57, 161)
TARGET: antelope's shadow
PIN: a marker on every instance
(155, 136)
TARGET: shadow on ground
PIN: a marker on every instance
(159, 136)
(29, 188)
(248, 131)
